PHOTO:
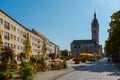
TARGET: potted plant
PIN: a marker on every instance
(8, 75)
(2, 76)
(64, 63)
(27, 72)
(83, 59)
(33, 60)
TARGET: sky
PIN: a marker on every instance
(62, 21)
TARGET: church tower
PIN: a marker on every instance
(95, 29)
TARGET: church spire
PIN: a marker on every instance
(95, 15)
(95, 28)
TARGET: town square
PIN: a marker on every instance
(59, 40)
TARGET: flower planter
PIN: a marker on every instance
(7, 78)
(76, 60)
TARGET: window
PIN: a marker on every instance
(6, 44)
(24, 42)
(11, 45)
(11, 36)
(24, 34)
(1, 21)
(33, 50)
(6, 35)
(14, 28)
(14, 46)
(21, 32)
(18, 30)
(94, 31)
(21, 40)
(17, 38)
(38, 40)
(38, 46)
(7, 25)
(14, 37)
(21, 47)
(18, 47)
(33, 38)
(32, 44)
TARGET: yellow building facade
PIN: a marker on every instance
(14, 35)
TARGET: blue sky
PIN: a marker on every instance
(62, 21)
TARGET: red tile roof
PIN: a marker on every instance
(39, 34)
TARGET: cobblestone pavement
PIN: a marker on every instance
(51, 75)
(54, 74)
(101, 70)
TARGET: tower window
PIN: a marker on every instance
(94, 31)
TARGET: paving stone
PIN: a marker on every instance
(101, 70)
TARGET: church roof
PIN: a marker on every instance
(83, 42)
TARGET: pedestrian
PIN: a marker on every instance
(108, 58)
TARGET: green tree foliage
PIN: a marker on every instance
(33, 60)
(65, 63)
(112, 45)
(27, 71)
(65, 53)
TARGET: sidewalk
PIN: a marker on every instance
(54, 74)
(51, 75)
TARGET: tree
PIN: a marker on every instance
(7, 57)
(7, 54)
(112, 45)
(65, 53)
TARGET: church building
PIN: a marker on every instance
(89, 45)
